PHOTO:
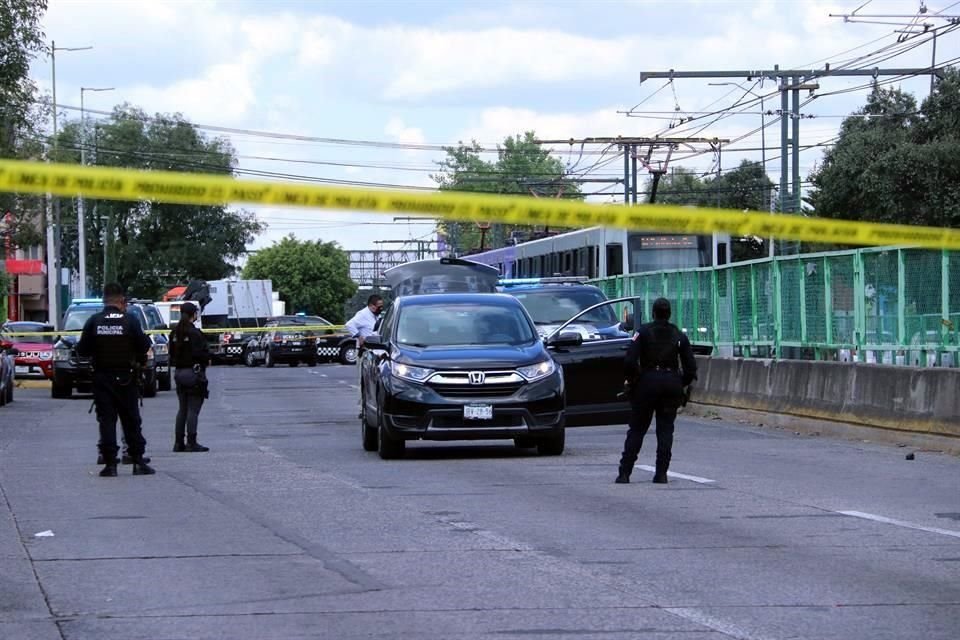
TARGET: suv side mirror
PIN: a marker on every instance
(566, 339)
(374, 341)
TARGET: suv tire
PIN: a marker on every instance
(60, 390)
(348, 354)
(164, 382)
(552, 445)
(388, 448)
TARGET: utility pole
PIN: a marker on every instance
(53, 218)
(790, 82)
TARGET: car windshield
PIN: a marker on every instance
(154, 319)
(29, 327)
(76, 318)
(554, 307)
(463, 324)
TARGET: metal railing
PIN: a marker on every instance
(889, 305)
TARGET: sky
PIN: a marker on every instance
(434, 73)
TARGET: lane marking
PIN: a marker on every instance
(900, 523)
(682, 476)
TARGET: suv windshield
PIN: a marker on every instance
(78, 316)
(550, 306)
(28, 327)
(463, 324)
(154, 319)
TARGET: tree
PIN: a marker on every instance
(150, 245)
(21, 115)
(893, 163)
(680, 186)
(312, 277)
(522, 167)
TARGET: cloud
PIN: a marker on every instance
(224, 93)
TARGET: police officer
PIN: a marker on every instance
(659, 365)
(190, 358)
(118, 346)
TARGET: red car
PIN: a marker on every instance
(36, 352)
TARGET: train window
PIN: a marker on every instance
(721, 253)
(614, 259)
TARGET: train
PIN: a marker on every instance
(599, 252)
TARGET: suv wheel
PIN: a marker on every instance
(60, 389)
(369, 434)
(269, 360)
(163, 382)
(249, 360)
(348, 354)
(387, 447)
(552, 445)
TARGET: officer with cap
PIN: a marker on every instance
(190, 357)
(118, 347)
(659, 365)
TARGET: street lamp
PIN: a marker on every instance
(81, 230)
(53, 226)
(763, 132)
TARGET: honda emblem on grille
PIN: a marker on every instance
(476, 377)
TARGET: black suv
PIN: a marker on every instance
(285, 342)
(152, 321)
(71, 371)
(454, 360)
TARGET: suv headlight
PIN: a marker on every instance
(537, 371)
(409, 372)
(61, 354)
(46, 355)
(160, 349)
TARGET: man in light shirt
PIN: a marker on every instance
(360, 326)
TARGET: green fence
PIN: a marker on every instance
(887, 305)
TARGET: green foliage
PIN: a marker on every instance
(312, 276)
(899, 165)
(21, 116)
(522, 167)
(746, 187)
(152, 245)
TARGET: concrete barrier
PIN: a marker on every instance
(918, 400)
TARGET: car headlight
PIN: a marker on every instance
(159, 349)
(46, 355)
(61, 355)
(409, 372)
(537, 371)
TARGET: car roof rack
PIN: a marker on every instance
(519, 282)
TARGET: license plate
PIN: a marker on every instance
(162, 369)
(21, 370)
(295, 343)
(478, 412)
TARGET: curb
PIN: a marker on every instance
(33, 384)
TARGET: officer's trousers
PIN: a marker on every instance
(657, 393)
(191, 401)
(116, 395)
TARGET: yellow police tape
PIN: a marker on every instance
(320, 331)
(202, 189)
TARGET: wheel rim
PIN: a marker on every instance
(350, 354)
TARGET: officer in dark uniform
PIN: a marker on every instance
(190, 358)
(659, 365)
(118, 346)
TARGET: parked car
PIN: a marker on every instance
(35, 357)
(71, 371)
(283, 342)
(452, 359)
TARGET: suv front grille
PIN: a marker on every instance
(477, 391)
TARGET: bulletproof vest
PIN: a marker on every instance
(113, 350)
(663, 348)
(182, 348)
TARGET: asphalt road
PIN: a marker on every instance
(288, 529)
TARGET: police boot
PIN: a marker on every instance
(128, 459)
(623, 475)
(193, 445)
(178, 446)
(660, 475)
(109, 470)
(141, 468)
